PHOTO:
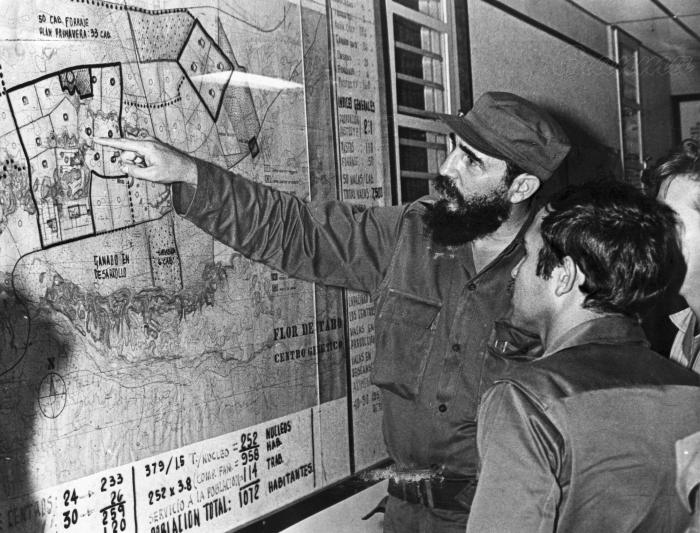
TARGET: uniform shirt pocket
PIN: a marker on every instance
(405, 327)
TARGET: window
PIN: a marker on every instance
(423, 69)
(627, 56)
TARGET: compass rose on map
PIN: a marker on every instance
(52, 395)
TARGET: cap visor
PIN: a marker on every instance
(462, 128)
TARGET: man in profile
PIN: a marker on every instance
(679, 179)
(438, 271)
(584, 438)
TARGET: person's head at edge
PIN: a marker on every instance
(504, 148)
(650, 176)
(595, 249)
(679, 179)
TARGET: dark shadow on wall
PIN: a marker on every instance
(32, 358)
(588, 159)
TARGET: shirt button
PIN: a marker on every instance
(471, 286)
(442, 408)
(456, 347)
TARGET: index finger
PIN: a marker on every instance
(132, 145)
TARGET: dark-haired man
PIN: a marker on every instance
(438, 272)
(584, 438)
(679, 179)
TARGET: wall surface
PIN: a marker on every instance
(566, 19)
(580, 90)
(510, 55)
(657, 117)
(658, 78)
(685, 76)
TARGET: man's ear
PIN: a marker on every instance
(523, 188)
(568, 277)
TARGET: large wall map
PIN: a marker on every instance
(151, 379)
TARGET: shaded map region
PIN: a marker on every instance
(181, 69)
(114, 292)
(15, 327)
(177, 96)
(132, 320)
(160, 37)
(206, 68)
(56, 117)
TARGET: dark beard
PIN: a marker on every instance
(474, 218)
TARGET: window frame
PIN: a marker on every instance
(418, 120)
(631, 171)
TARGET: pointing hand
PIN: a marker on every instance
(151, 160)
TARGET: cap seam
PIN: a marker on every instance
(540, 167)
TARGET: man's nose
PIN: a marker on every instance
(447, 166)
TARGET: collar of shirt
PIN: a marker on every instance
(683, 320)
(512, 342)
(607, 329)
(684, 346)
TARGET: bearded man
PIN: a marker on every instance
(438, 271)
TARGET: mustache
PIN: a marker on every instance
(446, 186)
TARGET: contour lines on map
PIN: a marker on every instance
(57, 115)
(56, 171)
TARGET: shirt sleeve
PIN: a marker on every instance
(330, 242)
(520, 454)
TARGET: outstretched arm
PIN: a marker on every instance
(329, 242)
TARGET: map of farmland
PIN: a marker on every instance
(125, 331)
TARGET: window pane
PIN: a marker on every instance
(438, 154)
(417, 54)
(432, 8)
(434, 66)
(412, 189)
(429, 146)
(407, 32)
(411, 4)
(438, 101)
(628, 64)
(412, 157)
(413, 34)
(431, 40)
(409, 63)
(420, 155)
(410, 94)
(434, 100)
(413, 134)
(420, 87)
(630, 130)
